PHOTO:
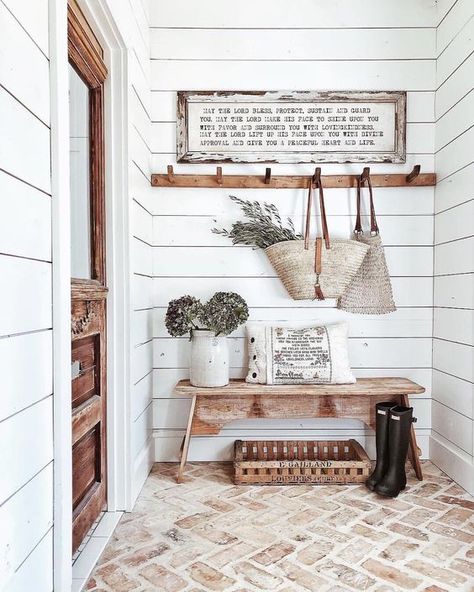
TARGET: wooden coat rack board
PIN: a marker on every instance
(267, 181)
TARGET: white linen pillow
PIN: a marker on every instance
(289, 354)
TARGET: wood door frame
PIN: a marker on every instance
(118, 210)
(86, 56)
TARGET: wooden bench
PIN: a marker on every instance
(212, 408)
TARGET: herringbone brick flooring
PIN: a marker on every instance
(207, 534)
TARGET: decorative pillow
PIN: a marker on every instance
(280, 354)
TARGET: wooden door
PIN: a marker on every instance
(87, 74)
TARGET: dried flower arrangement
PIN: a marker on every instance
(223, 313)
(181, 315)
(264, 227)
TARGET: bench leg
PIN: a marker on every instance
(186, 440)
(413, 450)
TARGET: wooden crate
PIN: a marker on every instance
(299, 462)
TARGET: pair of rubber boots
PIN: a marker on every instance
(392, 437)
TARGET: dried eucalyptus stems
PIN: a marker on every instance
(263, 228)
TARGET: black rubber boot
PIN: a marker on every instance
(395, 478)
(382, 414)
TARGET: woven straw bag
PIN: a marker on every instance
(312, 269)
(370, 291)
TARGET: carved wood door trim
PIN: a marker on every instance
(89, 300)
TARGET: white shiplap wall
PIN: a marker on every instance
(132, 19)
(26, 407)
(26, 361)
(268, 46)
(453, 330)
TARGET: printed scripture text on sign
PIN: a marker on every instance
(254, 130)
(338, 127)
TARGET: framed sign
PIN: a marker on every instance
(291, 127)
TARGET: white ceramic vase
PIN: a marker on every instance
(209, 359)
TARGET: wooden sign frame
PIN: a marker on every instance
(189, 103)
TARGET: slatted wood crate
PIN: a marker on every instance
(299, 462)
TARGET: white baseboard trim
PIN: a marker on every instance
(142, 467)
(453, 461)
(220, 448)
(92, 548)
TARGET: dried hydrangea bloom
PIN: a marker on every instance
(181, 315)
(224, 312)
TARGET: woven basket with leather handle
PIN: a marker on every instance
(320, 268)
(370, 291)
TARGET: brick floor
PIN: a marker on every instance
(208, 534)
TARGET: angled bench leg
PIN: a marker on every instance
(186, 440)
(413, 450)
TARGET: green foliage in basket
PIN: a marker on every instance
(263, 228)
(223, 313)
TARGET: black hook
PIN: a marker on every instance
(414, 174)
(268, 176)
(219, 175)
(365, 174)
(170, 173)
(316, 180)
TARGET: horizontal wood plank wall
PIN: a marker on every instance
(267, 46)
(453, 329)
(26, 408)
(136, 28)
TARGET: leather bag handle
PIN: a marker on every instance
(308, 217)
(316, 182)
(374, 229)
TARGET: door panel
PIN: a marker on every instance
(85, 355)
(88, 402)
(88, 284)
(87, 476)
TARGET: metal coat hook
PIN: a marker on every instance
(414, 174)
(365, 174)
(219, 175)
(170, 173)
(316, 180)
(268, 176)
